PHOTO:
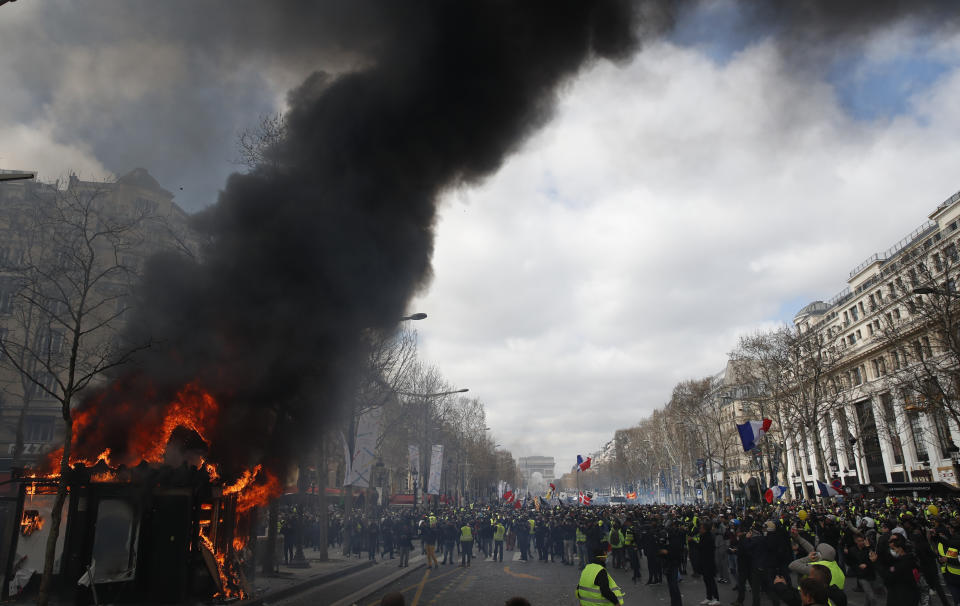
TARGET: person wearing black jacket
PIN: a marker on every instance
(708, 565)
(899, 572)
(861, 568)
(740, 548)
(669, 545)
(926, 558)
(648, 543)
(763, 550)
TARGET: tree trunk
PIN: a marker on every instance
(56, 515)
(322, 489)
(273, 520)
(347, 514)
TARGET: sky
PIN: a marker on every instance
(710, 187)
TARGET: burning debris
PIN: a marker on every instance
(30, 522)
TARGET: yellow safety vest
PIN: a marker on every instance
(950, 554)
(581, 538)
(836, 575)
(466, 534)
(616, 539)
(498, 532)
(588, 592)
(628, 538)
(532, 525)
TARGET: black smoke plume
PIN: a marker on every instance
(337, 235)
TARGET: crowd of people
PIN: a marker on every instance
(894, 552)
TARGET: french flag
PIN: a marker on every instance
(833, 489)
(774, 493)
(752, 431)
(583, 464)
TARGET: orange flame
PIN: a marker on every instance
(30, 522)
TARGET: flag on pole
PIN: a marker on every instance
(583, 464)
(752, 431)
(508, 496)
(584, 497)
(831, 490)
(517, 504)
(553, 487)
(631, 496)
(774, 493)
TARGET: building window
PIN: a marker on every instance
(896, 313)
(890, 423)
(856, 376)
(925, 345)
(873, 303)
(851, 339)
(937, 262)
(879, 367)
(38, 430)
(859, 336)
(895, 357)
(916, 432)
(846, 318)
(951, 251)
(870, 329)
(918, 351)
(853, 313)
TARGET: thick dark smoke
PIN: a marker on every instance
(306, 257)
(336, 240)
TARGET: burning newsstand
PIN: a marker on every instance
(165, 530)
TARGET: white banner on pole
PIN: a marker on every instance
(436, 466)
(414, 459)
(365, 447)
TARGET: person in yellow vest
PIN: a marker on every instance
(581, 546)
(597, 587)
(499, 531)
(950, 567)
(823, 555)
(630, 546)
(466, 544)
(616, 545)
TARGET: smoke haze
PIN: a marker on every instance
(422, 97)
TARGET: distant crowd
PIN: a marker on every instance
(896, 552)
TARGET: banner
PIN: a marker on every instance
(436, 466)
(365, 448)
(414, 459)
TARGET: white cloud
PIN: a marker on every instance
(35, 148)
(669, 207)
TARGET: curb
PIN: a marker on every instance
(286, 592)
(357, 596)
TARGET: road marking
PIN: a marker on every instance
(417, 584)
(423, 581)
(520, 575)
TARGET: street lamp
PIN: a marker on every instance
(15, 176)
(834, 468)
(416, 316)
(928, 290)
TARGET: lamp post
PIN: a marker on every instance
(416, 316)
(15, 176)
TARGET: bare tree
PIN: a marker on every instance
(69, 293)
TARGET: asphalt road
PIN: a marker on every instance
(489, 583)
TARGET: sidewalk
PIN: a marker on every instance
(289, 581)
